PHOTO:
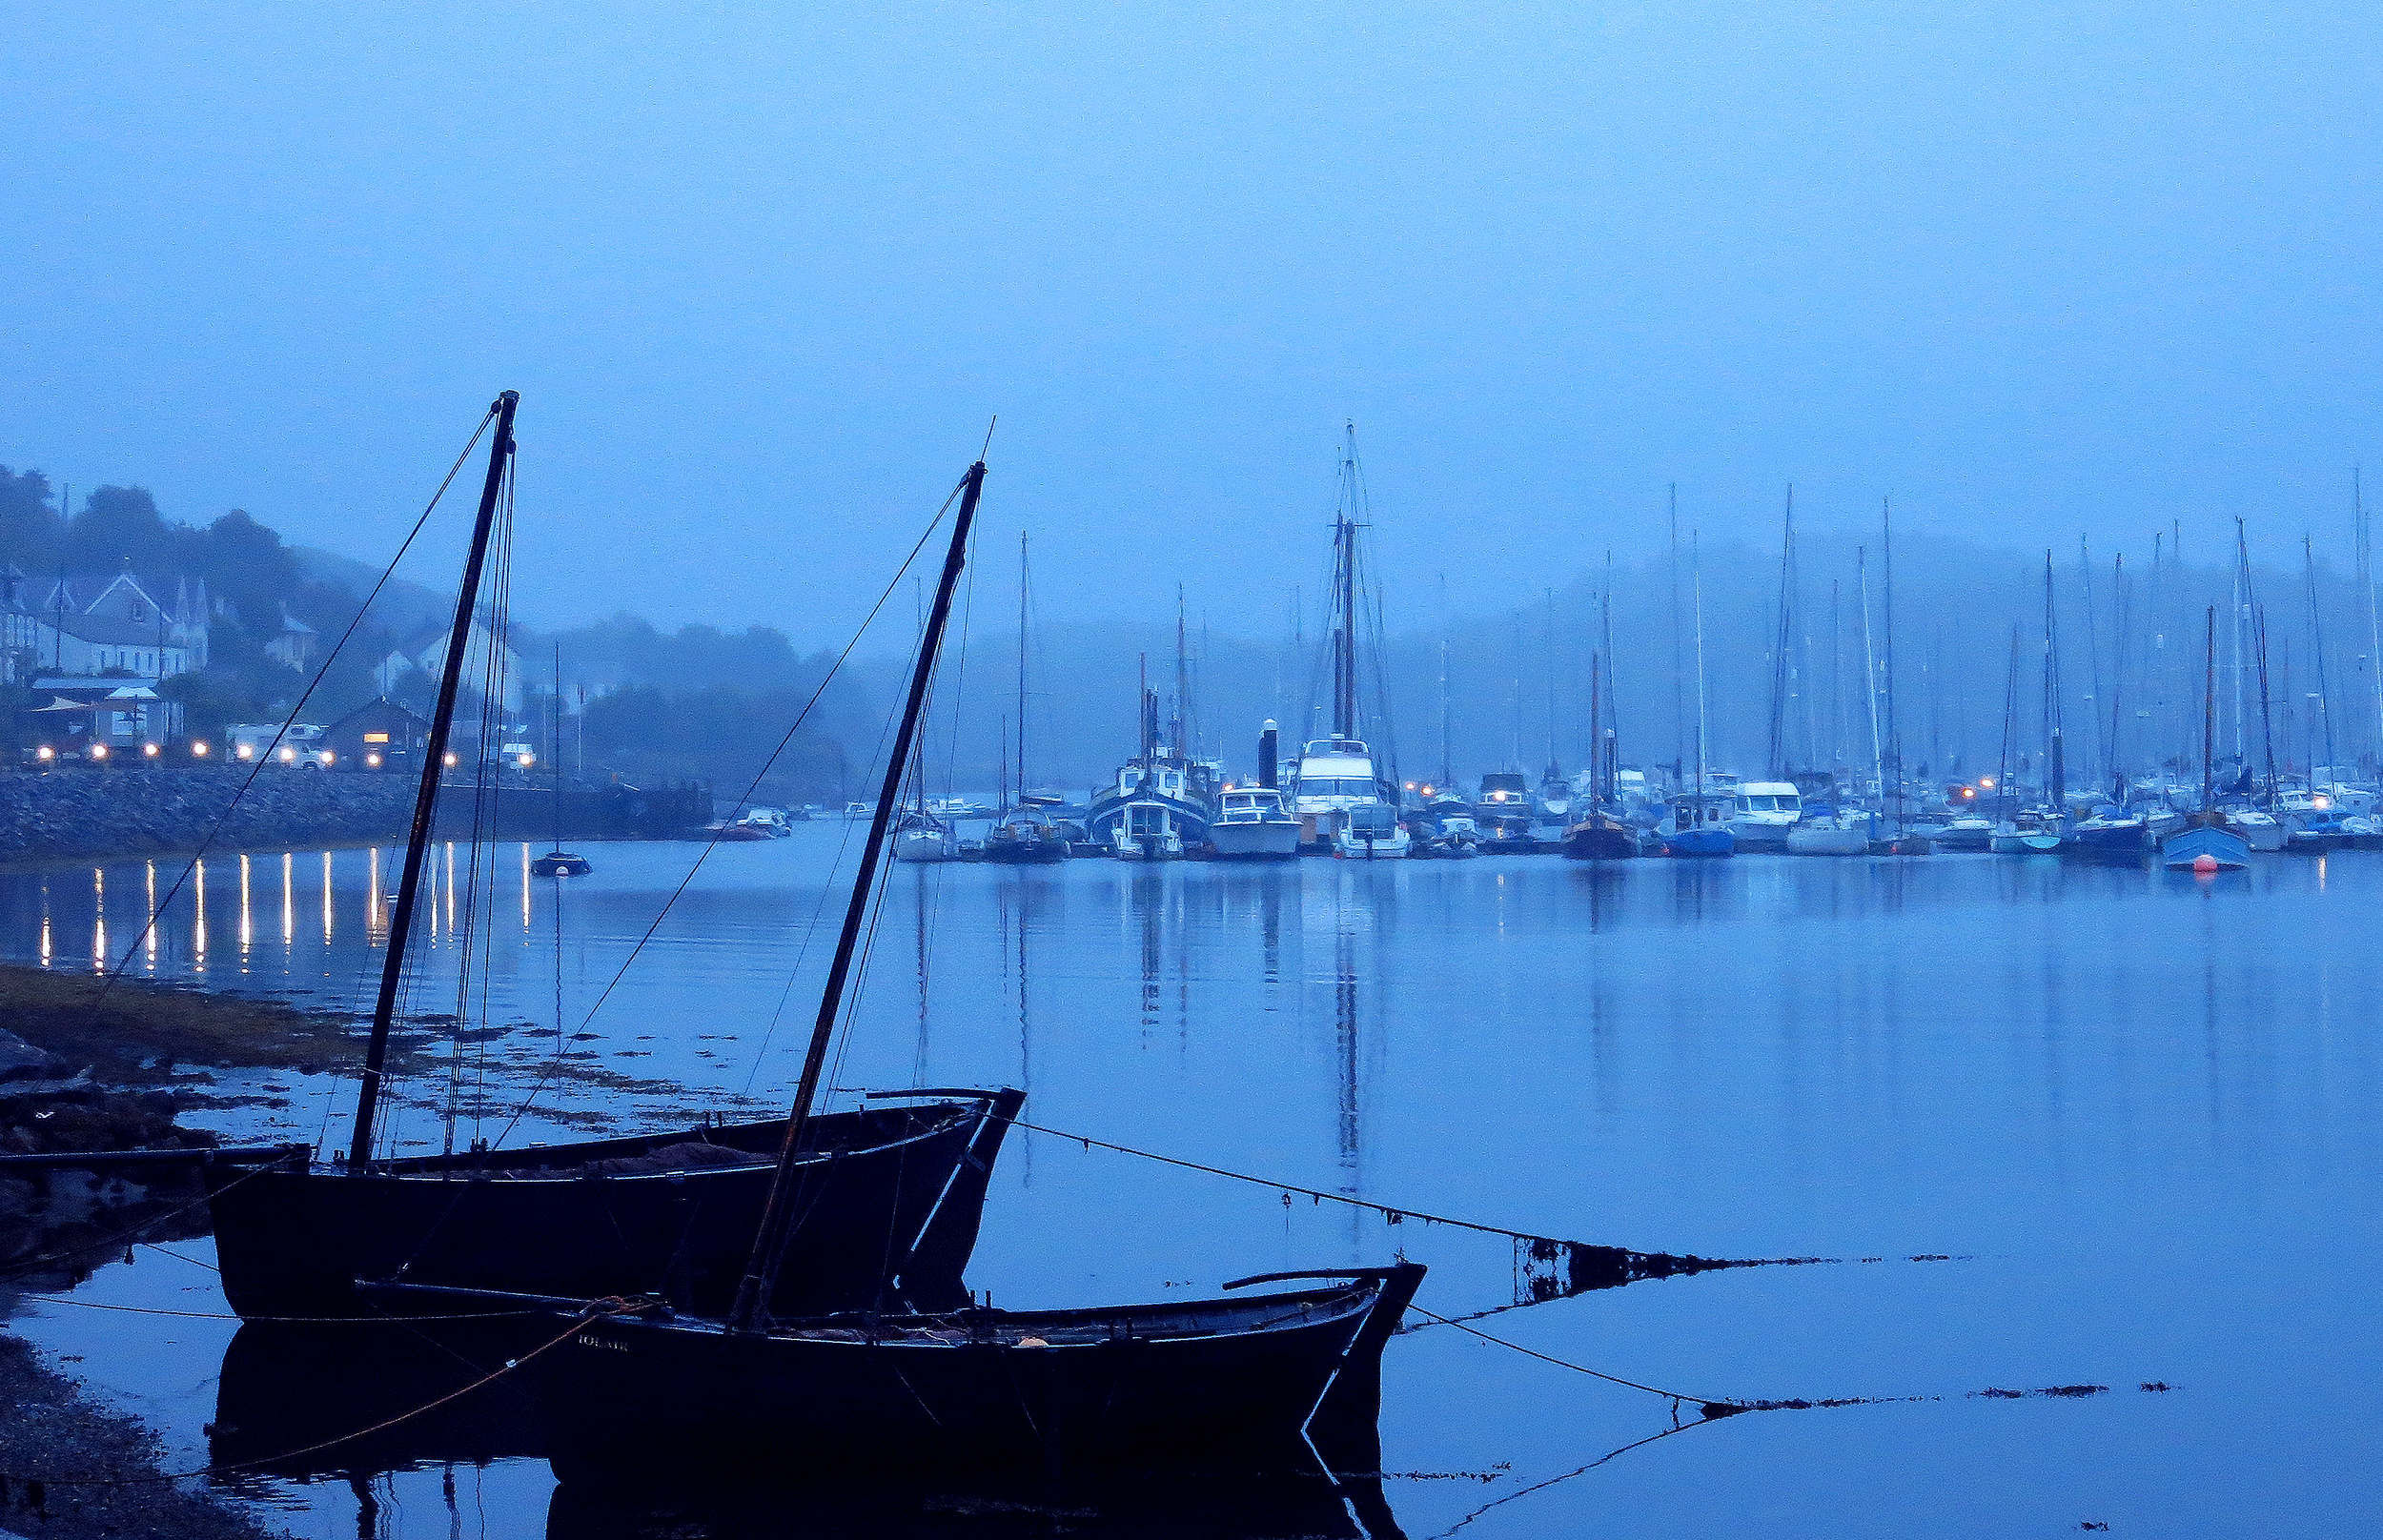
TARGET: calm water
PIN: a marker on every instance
(2137, 1110)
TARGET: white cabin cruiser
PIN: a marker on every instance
(1764, 813)
(1336, 778)
(1253, 824)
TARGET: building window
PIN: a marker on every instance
(140, 610)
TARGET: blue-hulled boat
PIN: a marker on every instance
(1711, 840)
(2205, 848)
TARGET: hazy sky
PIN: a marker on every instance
(762, 274)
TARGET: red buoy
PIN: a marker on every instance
(2205, 863)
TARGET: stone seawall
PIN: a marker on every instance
(96, 814)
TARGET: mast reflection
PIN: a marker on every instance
(99, 920)
(150, 935)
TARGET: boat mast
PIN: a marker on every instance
(752, 1301)
(2208, 716)
(1886, 614)
(2316, 643)
(1345, 593)
(1447, 776)
(2055, 764)
(1678, 715)
(2011, 723)
(1869, 671)
(1696, 565)
(426, 793)
(2365, 539)
(2266, 720)
(1021, 666)
(1778, 757)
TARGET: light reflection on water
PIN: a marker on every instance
(2141, 1107)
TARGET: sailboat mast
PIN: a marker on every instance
(2365, 535)
(1777, 756)
(1696, 564)
(2055, 763)
(1678, 715)
(1869, 671)
(2266, 720)
(2316, 643)
(2209, 714)
(1447, 774)
(1886, 614)
(426, 793)
(777, 1214)
(1022, 580)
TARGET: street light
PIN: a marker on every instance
(198, 749)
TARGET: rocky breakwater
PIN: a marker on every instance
(87, 813)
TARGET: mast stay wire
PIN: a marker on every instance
(697, 866)
(215, 827)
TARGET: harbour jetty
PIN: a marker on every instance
(100, 815)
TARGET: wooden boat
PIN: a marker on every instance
(2209, 847)
(671, 1214)
(668, 1212)
(1199, 1382)
(2206, 844)
(1602, 837)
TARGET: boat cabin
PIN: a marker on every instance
(1335, 773)
(1256, 804)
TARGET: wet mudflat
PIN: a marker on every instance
(2136, 1109)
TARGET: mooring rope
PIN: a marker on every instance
(596, 1311)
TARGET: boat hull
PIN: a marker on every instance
(2130, 841)
(1601, 840)
(1964, 841)
(905, 1185)
(1189, 1384)
(1700, 843)
(2031, 844)
(2220, 849)
(1274, 840)
(1827, 839)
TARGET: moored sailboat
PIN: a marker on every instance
(656, 1211)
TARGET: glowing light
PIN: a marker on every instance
(287, 755)
(450, 761)
(198, 749)
(45, 754)
(328, 756)
(244, 751)
(525, 760)
(150, 749)
(1988, 781)
(372, 760)
(99, 751)
(2320, 800)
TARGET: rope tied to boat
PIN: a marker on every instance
(599, 1309)
(1546, 1267)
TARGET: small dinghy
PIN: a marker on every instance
(560, 864)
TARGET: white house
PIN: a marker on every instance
(427, 655)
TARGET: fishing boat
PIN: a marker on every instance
(1255, 822)
(658, 1212)
(1157, 808)
(1763, 813)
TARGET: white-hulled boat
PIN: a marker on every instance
(1764, 812)
(1830, 832)
(1252, 823)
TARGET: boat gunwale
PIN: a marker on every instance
(452, 1167)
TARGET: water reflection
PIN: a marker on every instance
(99, 919)
(199, 917)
